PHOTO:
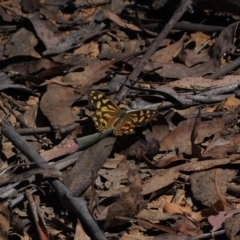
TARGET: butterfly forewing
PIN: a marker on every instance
(107, 112)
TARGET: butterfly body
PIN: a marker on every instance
(109, 115)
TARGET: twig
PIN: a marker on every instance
(152, 48)
(184, 26)
(209, 98)
(59, 165)
(9, 28)
(13, 102)
(18, 165)
(72, 203)
(208, 114)
(37, 216)
(220, 90)
(26, 131)
(207, 235)
(11, 203)
(20, 119)
(206, 43)
(223, 71)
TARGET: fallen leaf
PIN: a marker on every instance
(163, 178)
(57, 101)
(91, 160)
(231, 226)
(176, 208)
(210, 186)
(119, 21)
(217, 220)
(80, 233)
(4, 222)
(23, 42)
(129, 204)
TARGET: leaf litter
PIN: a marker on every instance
(175, 177)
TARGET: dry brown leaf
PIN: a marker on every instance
(191, 58)
(218, 219)
(50, 36)
(186, 226)
(210, 186)
(166, 159)
(221, 146)
(29, 116)
(92, 73)
(112, 163)
(8, 150)
(116, 176)
(168, 53)
(176, 208)
(80, 233)
(89, 162)
(22, 43)
(231, 226)
(4, 222)
(115, 18)
(90, 50)
(175, 70)
(130, 203)
(56, 104)
(228, 104)
(203, 165)
(180, 136)
(163, 178)
(200, 83)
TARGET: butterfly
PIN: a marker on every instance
(108, 115)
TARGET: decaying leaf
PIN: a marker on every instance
(4, 222)
(163, 178)
(180, 136)
(89, 162)
(217, 220)
(211, 185)
(129, 204)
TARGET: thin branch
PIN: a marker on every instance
(68, 200)
(152, 48)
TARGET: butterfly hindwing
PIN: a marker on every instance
(134, 119)
(142, 116)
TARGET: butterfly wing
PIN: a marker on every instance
(107, 112)
(132, 119)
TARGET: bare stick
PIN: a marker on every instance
(71, 202)
(152, 48)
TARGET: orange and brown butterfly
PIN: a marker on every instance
(109, 116)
